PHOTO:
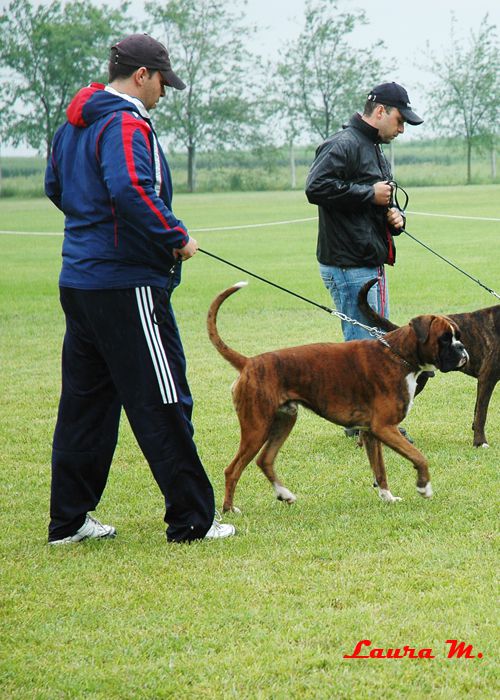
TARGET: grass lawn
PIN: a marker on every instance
(271, 612)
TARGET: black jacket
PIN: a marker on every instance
(353, 232)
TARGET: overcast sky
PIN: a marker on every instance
(405, 28)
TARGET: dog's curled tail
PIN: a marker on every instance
(235, 358)
(370, 313)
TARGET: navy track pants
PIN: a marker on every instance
(122, 349)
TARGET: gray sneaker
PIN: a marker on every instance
(219, 530)
(91, 529)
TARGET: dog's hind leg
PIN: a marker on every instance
(232, 473)
(252, 439)
(373, 449)
(485, 385)
(283, 423)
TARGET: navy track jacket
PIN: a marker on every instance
(109, 176)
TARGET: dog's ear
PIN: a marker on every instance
(422, 326)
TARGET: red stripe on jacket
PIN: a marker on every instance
(130, 126)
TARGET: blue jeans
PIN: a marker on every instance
(344, 283)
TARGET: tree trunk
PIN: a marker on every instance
(469, 159)
(293, 173)
(191, 174)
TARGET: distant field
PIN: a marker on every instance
(417, 163)
(271, 613)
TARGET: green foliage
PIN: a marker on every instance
(466, 91)
(213, 110)
(271, 612)
(52, 49)
(322, 78)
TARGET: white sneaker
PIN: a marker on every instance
(219, 530)
(91, 529)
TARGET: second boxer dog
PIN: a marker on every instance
(481, 335)
(364, 384)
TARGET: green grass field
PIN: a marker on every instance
(271, 612)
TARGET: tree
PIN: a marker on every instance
(323, 77)
(465, 96)
(52, 50)
(217, 108)
(283, 113)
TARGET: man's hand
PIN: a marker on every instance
(188, 251)
(382, 194)
(395, 218)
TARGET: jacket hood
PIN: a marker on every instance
(93, 102)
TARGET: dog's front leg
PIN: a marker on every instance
(374, 451)
(390, 436)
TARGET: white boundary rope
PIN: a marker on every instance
(263, 225)
(454, 216)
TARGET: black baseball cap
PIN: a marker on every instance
(394, 95)
(142, 50)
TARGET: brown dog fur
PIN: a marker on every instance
(481, 336)
(358, 384)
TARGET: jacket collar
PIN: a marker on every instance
(134, 100)
(356, 122)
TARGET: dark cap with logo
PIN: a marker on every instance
(394, 95)
(142, 50)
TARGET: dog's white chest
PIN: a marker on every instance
(411, 381)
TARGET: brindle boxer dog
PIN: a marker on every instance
(363, 384)
(481, 335)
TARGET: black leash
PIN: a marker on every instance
(263, 279)
(397, 188)
(373, 331)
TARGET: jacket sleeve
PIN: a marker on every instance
(127, 164)
(52, 184)
(331, 178)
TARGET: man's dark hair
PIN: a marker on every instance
(370, 108)
(119, 70)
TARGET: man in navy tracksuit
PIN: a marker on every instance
(122, 254)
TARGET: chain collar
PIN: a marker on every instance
(377, 334)
(372, 330)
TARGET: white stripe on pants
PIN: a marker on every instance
(155, 345)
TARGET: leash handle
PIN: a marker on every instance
(395, 188)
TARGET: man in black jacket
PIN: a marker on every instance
(349, 181)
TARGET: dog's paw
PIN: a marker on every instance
(283, 494)
(229, 508)
(387, 496)
(484, 445)
(425, 491)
